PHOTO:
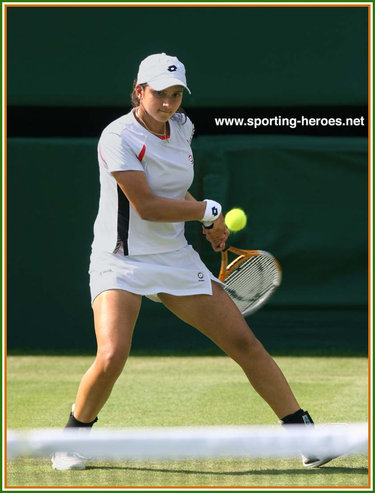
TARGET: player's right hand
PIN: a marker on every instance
(217, 235)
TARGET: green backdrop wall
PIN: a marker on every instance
(306, 199)
(237, 56)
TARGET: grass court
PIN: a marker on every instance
(183, 391)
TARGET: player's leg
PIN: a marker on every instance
(219, 319)
(115, 315)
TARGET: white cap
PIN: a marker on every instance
(161, 71)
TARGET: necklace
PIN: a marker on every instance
(164, 134)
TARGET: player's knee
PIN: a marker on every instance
(257, 349)
(111, 362)
(248, 349)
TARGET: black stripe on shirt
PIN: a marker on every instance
(122, 220)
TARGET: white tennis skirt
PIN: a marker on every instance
(180, 273)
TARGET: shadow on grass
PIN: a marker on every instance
(299, 471)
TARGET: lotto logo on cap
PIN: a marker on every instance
(161, 71)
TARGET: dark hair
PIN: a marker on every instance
(135, 102)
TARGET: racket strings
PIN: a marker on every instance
(252, 282)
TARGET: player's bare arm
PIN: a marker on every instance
(153, 207)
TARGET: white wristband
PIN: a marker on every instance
(212, 212)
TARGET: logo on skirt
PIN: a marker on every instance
(200, 276)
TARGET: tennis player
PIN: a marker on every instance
(139, 249)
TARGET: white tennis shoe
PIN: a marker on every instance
(312, 462)
(63, 461)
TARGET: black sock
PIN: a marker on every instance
(299, 417)
(74, 423)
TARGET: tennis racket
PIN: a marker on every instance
(250, 279)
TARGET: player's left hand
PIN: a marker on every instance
(217, 235)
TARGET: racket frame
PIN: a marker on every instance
(227, 268)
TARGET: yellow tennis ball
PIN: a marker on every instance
(235, 219)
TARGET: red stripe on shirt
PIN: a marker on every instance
(142, 153)
(101, 156)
